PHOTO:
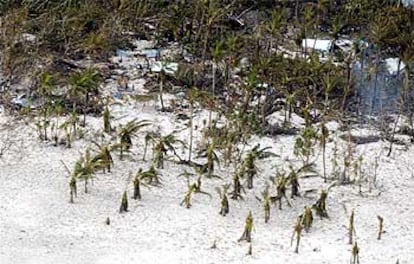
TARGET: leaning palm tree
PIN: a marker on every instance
(129, 131)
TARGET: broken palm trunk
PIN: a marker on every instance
(293, 178)
(247, 234)
(320, 205)
(250, 170)
(124, 203)
(193, 188)
(351, 229)
(266, 203)
(137, 183)
(355, 254)
(297, 232)
(381, 226)
(106, 119)
(73, 189)
(237, 187)
(224, 205)
(267, 210)
(224, 200)
(307, 218)
(281, 192)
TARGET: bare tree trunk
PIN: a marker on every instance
(214, 89)
(190, 147)
(161, 92)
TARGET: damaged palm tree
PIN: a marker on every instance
(323, 137)
(280, 183)
(304, 144)
(124, 203)
(69, 127)
(161, 146)
(320, 205)
(250, 251)
(355, 254)
(351, 228)
(237, 187)
(248, 227)
(381, 227)
(73, 188)
(296, 173)
(297, 232)
(266, 203)
(86, 167)
(129, 131)
(192, 189)
(294, 182)
(104, 156)
(224, 210)
(211, 156)
(250, 169)
(137, 185)
(106, 120)
(307, 218)
(151, 176)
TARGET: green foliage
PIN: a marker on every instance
(224, 209)
(249, 168)
(320, 205)
(128, 131)
(247, 234)
(211, 155)
(86, 167)
(192, 189)
(161, 146)
(307, 218)
(304, 144)
(281, 182)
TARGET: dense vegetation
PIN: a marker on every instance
(224, 32)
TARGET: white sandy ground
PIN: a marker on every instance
(38, 225)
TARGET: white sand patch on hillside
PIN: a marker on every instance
(38, 225)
